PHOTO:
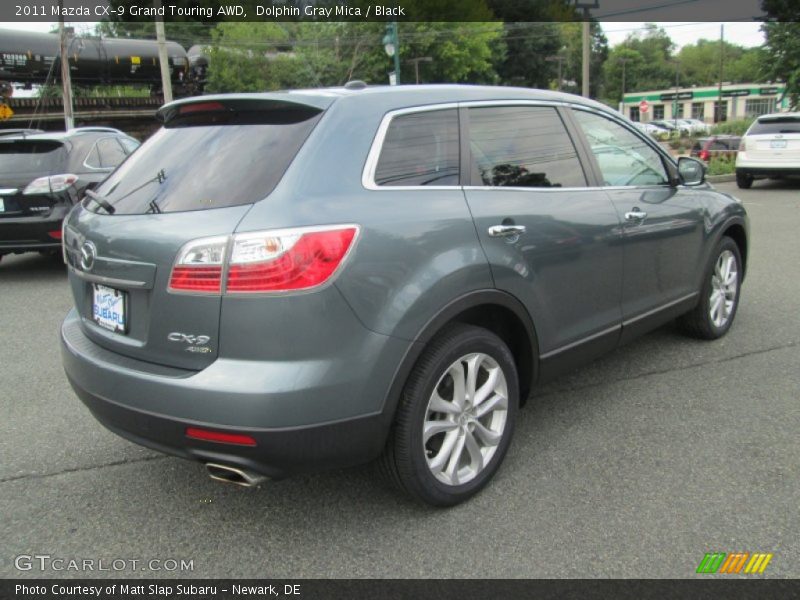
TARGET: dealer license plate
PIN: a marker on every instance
(108, 308)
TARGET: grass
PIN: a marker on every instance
(721, 165)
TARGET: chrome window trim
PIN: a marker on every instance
(88, 154)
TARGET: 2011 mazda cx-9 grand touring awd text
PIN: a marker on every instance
(275, 283)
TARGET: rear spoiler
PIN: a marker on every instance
(238, 110)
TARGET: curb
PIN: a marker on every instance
(721, 178)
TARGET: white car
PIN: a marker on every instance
(770, 148)
(695, 126)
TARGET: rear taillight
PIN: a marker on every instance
(704, 154)
(288, 260)
(51, 184)
(199, 266)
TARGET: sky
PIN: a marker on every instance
(746, 34)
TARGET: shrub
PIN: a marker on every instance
(722, 165)
(732, 127)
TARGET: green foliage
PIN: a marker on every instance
(700, 63)
(648, 65)
(722, 165)
(738, 127)
(783, 49)
(572, 36)
(253, 56)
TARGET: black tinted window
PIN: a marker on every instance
(420, 149)
(111, 153)
(775, 125)
(200, 166)
(29, 156)
(522, 146)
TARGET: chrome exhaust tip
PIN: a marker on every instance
(233, 475)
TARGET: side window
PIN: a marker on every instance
(420, 149)
(129, 144)
(111, 153)
(624, 158)
(522, 146)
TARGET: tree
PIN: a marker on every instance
(650, 65)
(699, 63)
(783, 46)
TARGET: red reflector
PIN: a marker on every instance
(56, 235)
(308, 263)
(218, 436)
(201, 107)
(196, 279)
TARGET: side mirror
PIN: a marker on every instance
(691, 171)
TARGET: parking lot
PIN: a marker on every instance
(632, 467)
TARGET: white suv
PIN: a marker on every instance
(770, 148)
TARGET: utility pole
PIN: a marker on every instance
(416, 61)
(718, 112)
(163, 59)
(560, 60)
(677, 88)
(586, 5)
(66, 80)
(623, 62)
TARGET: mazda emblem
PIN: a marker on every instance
(88, 254)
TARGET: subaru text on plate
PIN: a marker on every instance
(276, 283)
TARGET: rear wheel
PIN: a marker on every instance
(456, 417)
(714, 314)
(743, 180)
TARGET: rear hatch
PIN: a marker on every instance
(195, 178)
(774, 138)
(21, 162)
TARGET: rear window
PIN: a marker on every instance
(775, 125)
(43, 157)
(203, 161)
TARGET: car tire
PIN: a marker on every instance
(743, 180)
(443, 448)
(719, 296)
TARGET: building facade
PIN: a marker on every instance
(739, 101)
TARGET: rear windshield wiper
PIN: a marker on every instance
(101, 201)
(160, 177)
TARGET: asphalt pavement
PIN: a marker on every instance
(634, 466)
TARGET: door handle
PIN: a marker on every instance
(635, 215)
(506, 230)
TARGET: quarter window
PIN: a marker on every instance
(111, 152)
(522, 146)
(624, 158)
(420, 149)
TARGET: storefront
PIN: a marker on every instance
(739, 101)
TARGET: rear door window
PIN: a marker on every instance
(203, 161)
(111, 152)
(522, 146)
(420, 149)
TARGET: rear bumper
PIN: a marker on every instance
(767, 171)
(153, 406)
(26, 234)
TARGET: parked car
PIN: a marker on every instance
(649, 129)
(43, 175)
(282, 282)
(714, 146)
(769, 148)
(696, 126)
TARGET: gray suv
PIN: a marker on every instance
(276, 283)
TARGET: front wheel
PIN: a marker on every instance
(714, 313)
(456, 417)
